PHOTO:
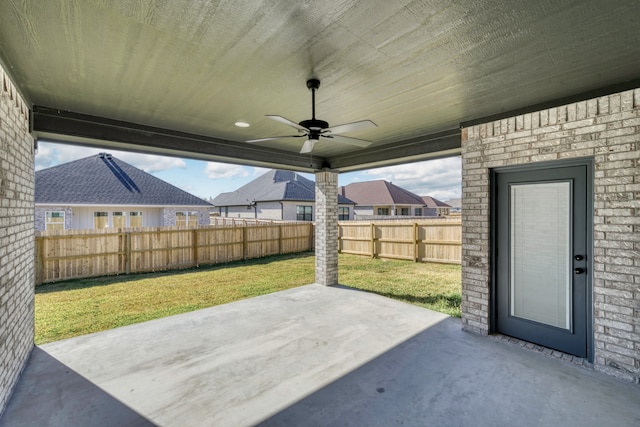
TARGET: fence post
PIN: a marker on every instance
(415, 242)
(195, 247)
(373, 241)
(279, 238)
(40, 260)
(127, 250)
(244, 242)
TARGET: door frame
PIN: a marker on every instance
(589, 163)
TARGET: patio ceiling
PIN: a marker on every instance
(174, 76)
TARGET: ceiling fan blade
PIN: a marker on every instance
(308, 145)
(274, 137)
(348, 140)
(351, 127)
(286, 122)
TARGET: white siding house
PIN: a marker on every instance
(104, 192)
(277, 195)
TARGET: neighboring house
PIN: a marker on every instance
(102, 191)
(276, 195)
(456, 205)
(382, 199)
(435, 207)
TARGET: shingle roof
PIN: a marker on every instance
(275, 185)
(379, 192)
(106, 180)
(434, 203)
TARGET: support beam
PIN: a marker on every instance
(82, 129)
(428, 147)
(327, 228)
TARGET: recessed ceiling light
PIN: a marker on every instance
(242, 124)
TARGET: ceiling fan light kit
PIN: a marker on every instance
(314, 129)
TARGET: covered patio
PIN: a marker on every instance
(313, 355)
(515, 88)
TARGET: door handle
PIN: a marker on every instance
(579, 270)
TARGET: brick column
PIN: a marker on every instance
(326, 228)
(16, 236)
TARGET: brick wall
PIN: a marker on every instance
(169, 215)
(606, 129)
(326, 220)
(40, 216)
(16, 237)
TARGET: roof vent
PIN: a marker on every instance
(105, 156)
(101, 155)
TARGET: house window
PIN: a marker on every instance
(417, 212)
(54, 221)
(135, 219)
(100, 219)
(187, 219)
(383, 211)
(343, 214)
(119, 219)
(305, 213)
(404, 211)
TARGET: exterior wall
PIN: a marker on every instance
(271, 211)
(16, 237)
(235, 212)
(81, 217)
(169, 214)
(362, 210)
(290, 210)
(606, 129)
(274, 211)
(351, 210)
(370, 212)
(40, 216)
(429, 211)
(326, 230)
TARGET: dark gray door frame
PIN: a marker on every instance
(589, 163)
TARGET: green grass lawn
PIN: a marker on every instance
(79, 307)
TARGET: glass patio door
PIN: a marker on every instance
(541, 257)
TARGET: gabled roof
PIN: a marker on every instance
(431, 202)
(379, 192)
(275, 185)
(454, 203)
(105, 180)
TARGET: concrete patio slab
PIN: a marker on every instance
(312, 355)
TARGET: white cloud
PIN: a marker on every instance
(50, 154)
(149, 162)
(215, 170)
(439, 178)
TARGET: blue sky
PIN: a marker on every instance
(437, 178)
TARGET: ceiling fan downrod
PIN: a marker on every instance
(314, 125)
(313, 85)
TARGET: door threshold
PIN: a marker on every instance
(555, 354)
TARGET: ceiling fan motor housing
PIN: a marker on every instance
(313, 124)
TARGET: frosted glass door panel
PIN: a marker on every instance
(540, 258)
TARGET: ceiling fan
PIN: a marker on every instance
(314, 129)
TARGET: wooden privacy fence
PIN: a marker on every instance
(420, 241)
(69, 254)
(63, 255)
